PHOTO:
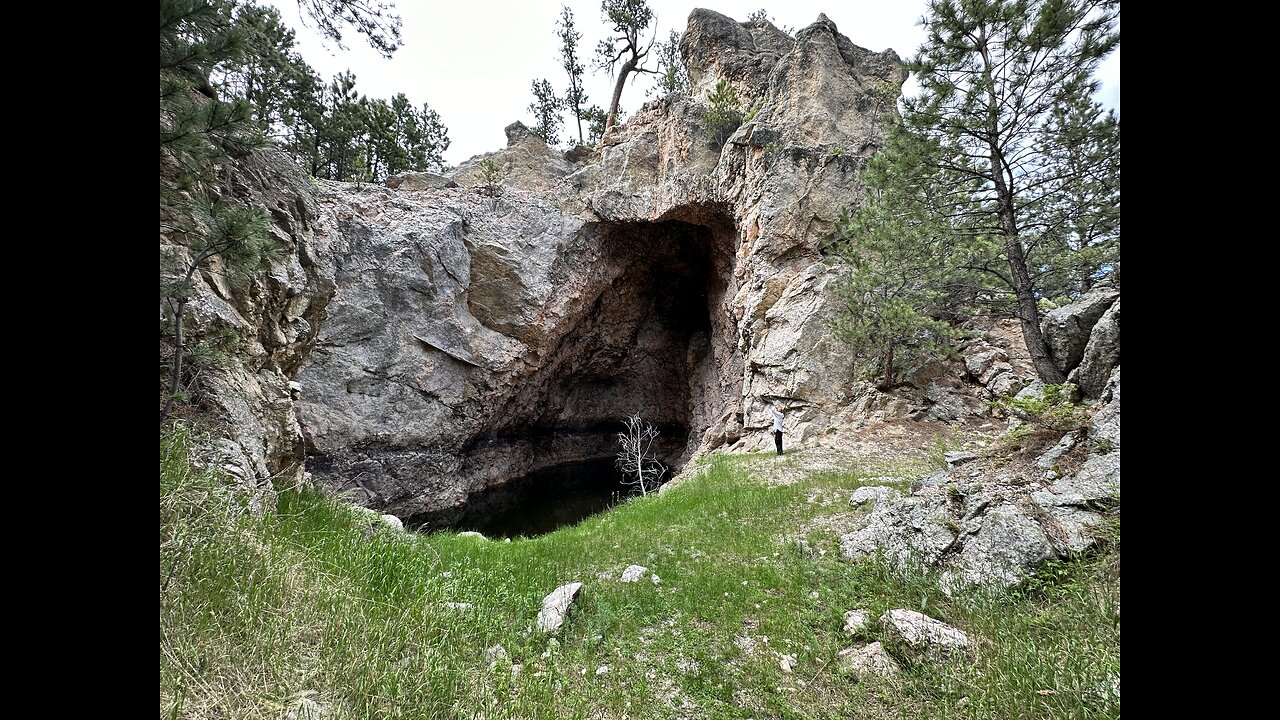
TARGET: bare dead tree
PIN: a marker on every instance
(637, 459)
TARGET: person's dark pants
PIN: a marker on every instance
(777, 440)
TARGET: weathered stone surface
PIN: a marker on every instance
(1050, 457)
(634, 573)
(908, 531)
(1076, 503)
(1101, 355)
(555, 606)
(939, 478)
(276, 316)
(1006, 384)
(919, 635)
(868, 660)
(411, 181)
(855, 621)
(393, 521)
(527, 163)
(1067, 329)
(1007, 549)
(955, 458)
(988, 529)
(1105, 425)
(984, 359)
(873, 493)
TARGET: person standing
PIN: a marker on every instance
(777, 427)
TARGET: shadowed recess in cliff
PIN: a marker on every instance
(448, 373)
(655, 340)
(535, 504)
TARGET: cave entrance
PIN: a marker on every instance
(537, 503)
(653, 336)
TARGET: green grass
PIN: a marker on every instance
(256, 611)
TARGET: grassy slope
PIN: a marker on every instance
(255, 612)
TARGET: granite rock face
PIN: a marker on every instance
(275, 318)
(1067, 329)
(443, 335)
(986, 523)
(475, 337)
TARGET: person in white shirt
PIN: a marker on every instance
(777, 427)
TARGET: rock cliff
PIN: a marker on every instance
(274, 318)
(442, 335)
(475, 338)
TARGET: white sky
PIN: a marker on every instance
(473, 60)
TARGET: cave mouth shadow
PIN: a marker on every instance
(654, 337)
(537, 503)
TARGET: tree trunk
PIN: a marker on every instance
(627, 68)
(888, 370)
(1029, 313)
(1023, 287)
(176, 379)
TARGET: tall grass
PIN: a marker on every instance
(312, 600)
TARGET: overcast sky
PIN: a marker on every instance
(473, 60)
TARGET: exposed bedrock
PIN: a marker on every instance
(473, 340)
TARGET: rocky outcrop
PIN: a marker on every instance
(1101, 354)
(474, 339)
(1105, 425)
(526, 163)
(1067, 329)
(419, 181)
(272, 321)
(996, 523)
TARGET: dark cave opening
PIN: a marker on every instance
(537, 503)
(653, 338)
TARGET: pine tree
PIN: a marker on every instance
(199, 132)
(269, 71)
(575, 98)
(375, 19)
(546, 112)
(723, 115)
(672, 76)
(1003, 167)
(421, 136)
(626, 50)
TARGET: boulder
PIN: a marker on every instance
(869, 660)
(1006, 549)
(855, 621)
(1101, 355)
(921, 636)
(634, 573)
(872, 493)
(555, 607)
(1067, 329)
